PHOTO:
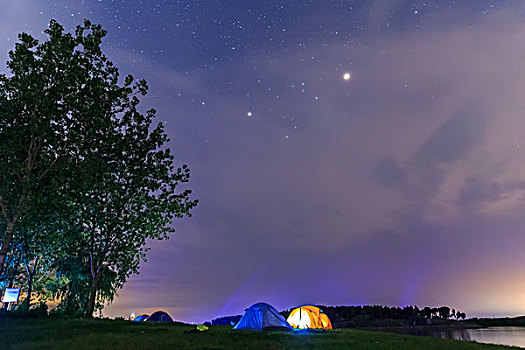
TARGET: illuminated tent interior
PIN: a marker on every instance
(309, 316)
(141, 317)
(262, 316)
(159, 316)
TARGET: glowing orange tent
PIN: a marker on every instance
(309, 316)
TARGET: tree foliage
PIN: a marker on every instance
(44, 118)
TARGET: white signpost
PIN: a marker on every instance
(11, 296)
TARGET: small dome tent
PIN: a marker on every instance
(159, 316)
(309, 316)
(141, 317)
(262, 316)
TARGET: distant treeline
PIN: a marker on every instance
(375, 316)
(381, 316)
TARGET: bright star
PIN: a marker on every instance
(346, 76)
(249, 114)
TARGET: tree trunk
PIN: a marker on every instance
(30, 275)
(90, 306)
(6, 241)
(95, 276)
(29, 289)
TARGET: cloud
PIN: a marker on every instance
(389, 173)
(476, 193)
(452, 140)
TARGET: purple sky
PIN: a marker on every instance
(403, 185)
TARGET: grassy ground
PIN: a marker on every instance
(79, 334)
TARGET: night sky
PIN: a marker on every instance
(404, 184)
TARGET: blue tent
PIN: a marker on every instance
(159, 316)
(262, 316)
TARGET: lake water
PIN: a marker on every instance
(514, 336)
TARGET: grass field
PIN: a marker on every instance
(80, 334)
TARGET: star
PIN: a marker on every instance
(346, 76)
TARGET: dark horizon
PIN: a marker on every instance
(403, 185)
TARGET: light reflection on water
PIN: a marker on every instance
(513, 336)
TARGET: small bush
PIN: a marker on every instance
(21, 311)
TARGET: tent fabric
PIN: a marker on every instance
(325, 321)
(142, 317)
(309, 316)
(159, 316)
(262, 316)
(202, 328)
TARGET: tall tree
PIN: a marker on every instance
(128, 193)
(78, 145)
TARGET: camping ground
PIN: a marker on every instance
(56, 333)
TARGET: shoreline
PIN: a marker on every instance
(473, 323)
(441, 327)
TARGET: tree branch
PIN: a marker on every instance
(3, 209)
